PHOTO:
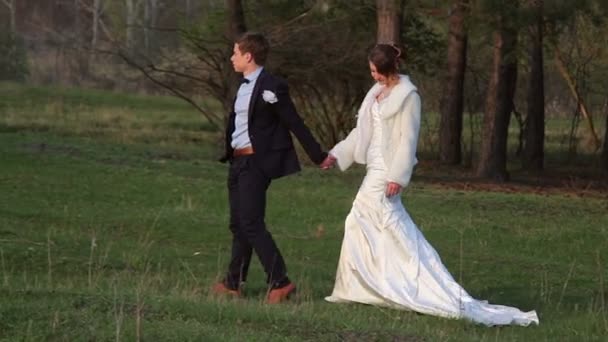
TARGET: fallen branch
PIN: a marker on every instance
(561, 66)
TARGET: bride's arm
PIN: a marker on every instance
(344, 151)
(404, 159)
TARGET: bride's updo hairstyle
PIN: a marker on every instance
(385, 57)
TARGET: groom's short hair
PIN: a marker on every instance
(256, 44)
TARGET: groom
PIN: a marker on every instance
(259, 148)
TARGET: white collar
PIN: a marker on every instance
(255, 74)
(395, 99)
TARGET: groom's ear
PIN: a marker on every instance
(249, 57)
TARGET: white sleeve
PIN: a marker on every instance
(344, 151)
(404, 160)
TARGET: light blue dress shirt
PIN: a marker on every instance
(240, 136)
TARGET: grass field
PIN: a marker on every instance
(113, 225)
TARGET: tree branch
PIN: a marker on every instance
(580, 102)
(213, 120)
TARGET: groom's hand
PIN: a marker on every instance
(328, 163)
(392, 189)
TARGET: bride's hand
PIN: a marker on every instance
(392, 189)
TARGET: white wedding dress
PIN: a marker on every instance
(386, 261)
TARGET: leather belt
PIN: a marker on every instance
(245, 151)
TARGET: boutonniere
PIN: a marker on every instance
(269, 97)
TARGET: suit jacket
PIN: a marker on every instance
(269, 129)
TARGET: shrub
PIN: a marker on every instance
(13, 60)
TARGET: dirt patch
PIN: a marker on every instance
(584, 182)
(53, 149)
(377, 336)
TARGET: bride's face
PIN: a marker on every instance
(378, 77)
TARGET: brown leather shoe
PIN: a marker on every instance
(220, 289)
(281, 294)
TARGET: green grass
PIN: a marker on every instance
(109, 238)
(102, 115)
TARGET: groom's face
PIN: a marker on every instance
(240, 61)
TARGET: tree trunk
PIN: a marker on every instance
(450, 127)
(131, 17)
(95, 34)
(604, 157)
(236, 19)
(147, 15)
(188, 11)
(150, 15)
(77, 14)
(492, 162)
(12, 8)
(234, 27)
(389, 14)
(534, 131)
(14, 16)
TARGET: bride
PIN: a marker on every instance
(385, 260)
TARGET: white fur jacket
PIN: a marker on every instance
(400, 116)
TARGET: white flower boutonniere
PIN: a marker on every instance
(269, 97)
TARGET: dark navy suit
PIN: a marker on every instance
(269, 127)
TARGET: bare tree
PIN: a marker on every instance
(204, 68)
(12, 8)
(146, 25)
(188, 10)
(534, 128)
(236, 19)
(234, 27)
(389, 14)
(76, 15)
(97, 12)
(450, 127)
(131, 15)
(499, 103)
(150, 17)
(604, 157)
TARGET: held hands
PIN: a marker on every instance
(328, 163)
(392, 189)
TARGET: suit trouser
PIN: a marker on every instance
(247, 186)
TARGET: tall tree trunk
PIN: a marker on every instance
(131, 17)
(604, 157)
(492, 162)
(236, 19)
(95, 28)
(188, 11)
(150, 15)
(12, 8)
(389, 13)
(450, 127)
(534, 131)
(14, 16)
(234, 27)
(76, 29)
(147, 14)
